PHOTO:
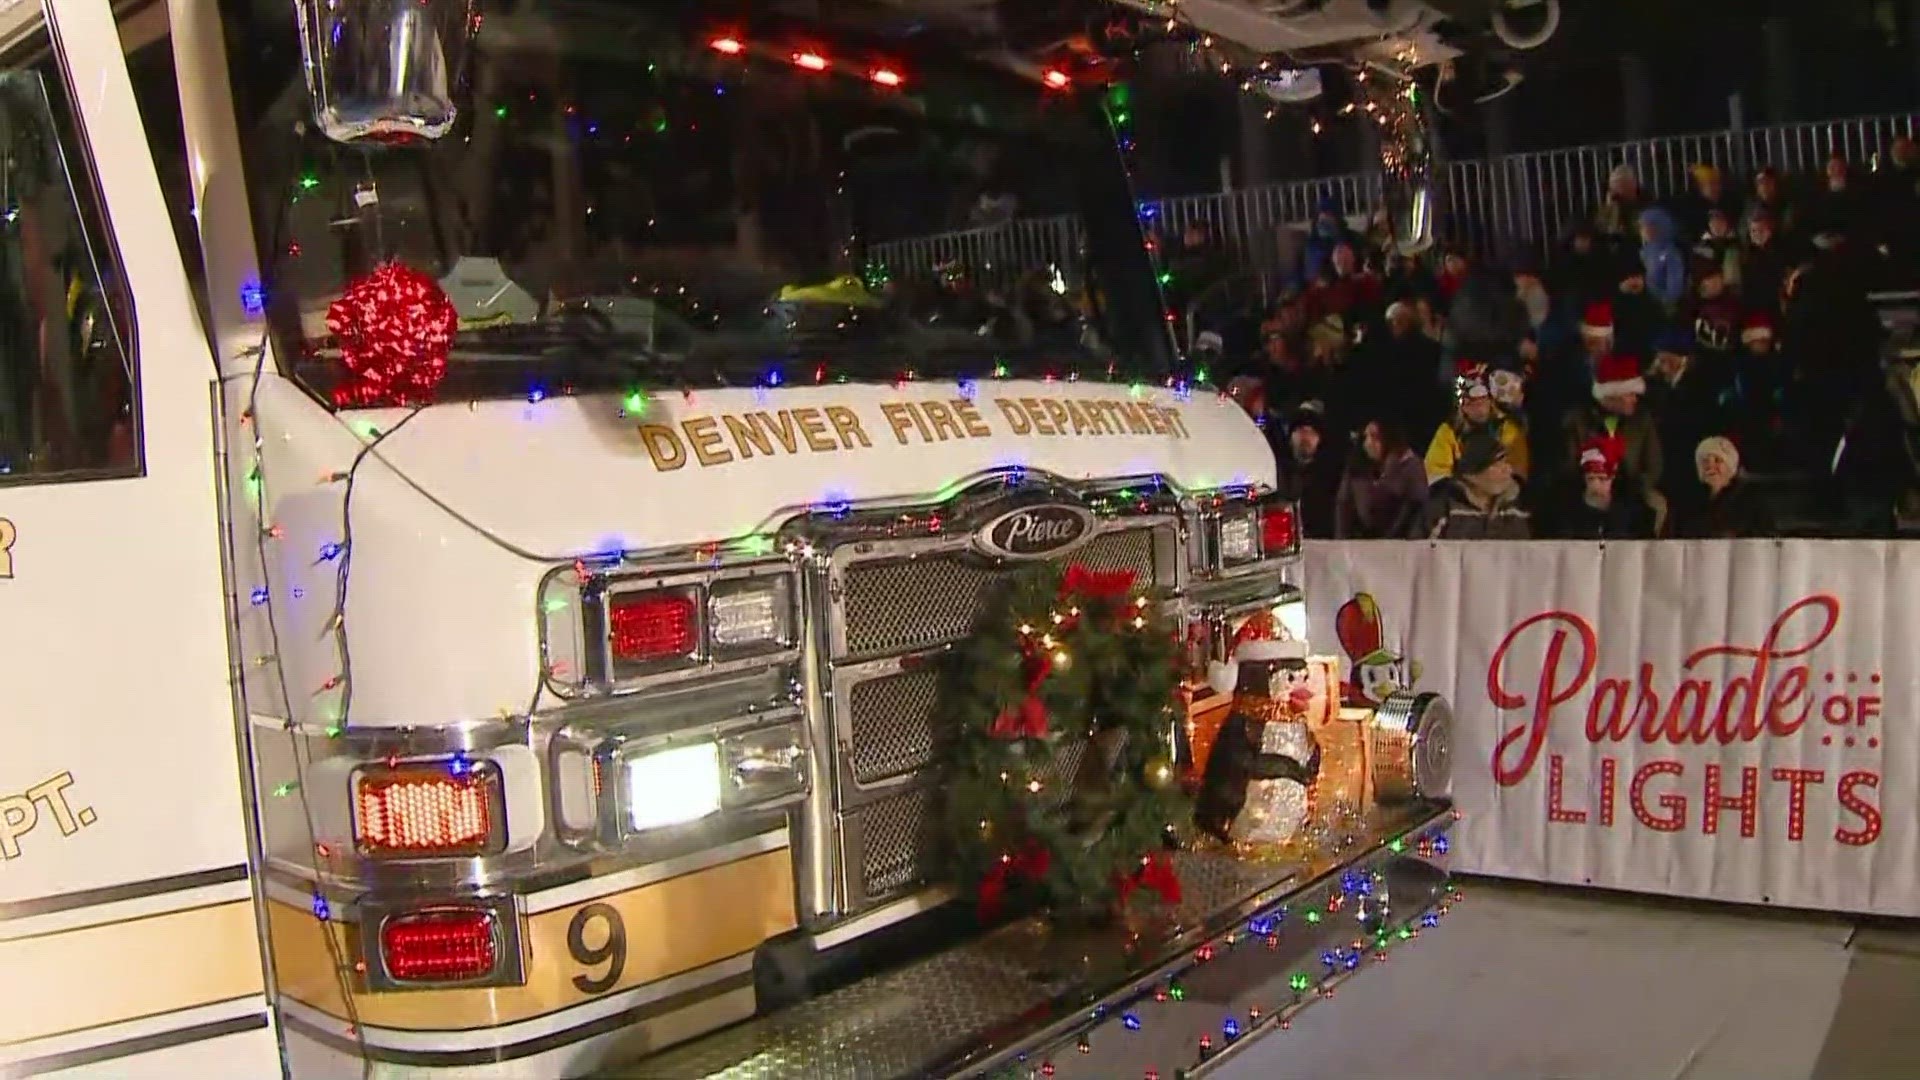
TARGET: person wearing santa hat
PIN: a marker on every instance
(1734, 509)
(1615, 411)
(1476, 412)
(1600, 511)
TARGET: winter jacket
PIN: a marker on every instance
(1486, 321)
(1763, 270)
(1445, 447)
(1314, 483)
(1721, 251)
(1452, 515)
(1685, 412)
(1738, 511)
(1626, 517)
(1614, 220)
(1665, 265)
(1642, 463)
(1381, 503)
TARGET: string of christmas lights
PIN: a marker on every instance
(1317, 979)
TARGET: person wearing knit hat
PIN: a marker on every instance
(1310, 468)
(1733, 509)
(1600, 510)
(1480, 500)
(1756, 331)
(1709, 193)
(1476, 411)
(1618, 214)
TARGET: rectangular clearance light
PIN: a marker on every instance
(653, 627)
(673, 787)
(429, 810)
(751, 614)
(1239, 538)
(441, 945)
(1279, 529)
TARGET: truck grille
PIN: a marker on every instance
(892, 725)
(895, 842)
(902, 605)
(893, 605)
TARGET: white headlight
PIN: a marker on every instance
(673, 787)
(1239, 539)
(752, 614)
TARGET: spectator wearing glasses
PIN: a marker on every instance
(1481, 499)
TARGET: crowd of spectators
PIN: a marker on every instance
(1635, 387)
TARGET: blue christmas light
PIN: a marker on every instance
(253, 297)
(1231, 1029)
(536, 395)
(1430, 919)
(259, 596)
(330, 552)
(321, 910)
(1131, 1022)
(1440, 844)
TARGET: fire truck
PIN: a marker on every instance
(512, 536)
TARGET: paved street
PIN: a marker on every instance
(1527, 983)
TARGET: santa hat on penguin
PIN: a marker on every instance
(1225, 677)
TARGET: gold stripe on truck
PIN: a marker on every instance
(70, 980)
(666, 928)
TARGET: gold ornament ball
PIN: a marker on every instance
(1158, 773)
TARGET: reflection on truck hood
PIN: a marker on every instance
(567, 477)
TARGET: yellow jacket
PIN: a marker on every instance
(1445, 447)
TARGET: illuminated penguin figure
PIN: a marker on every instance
(1261, 771)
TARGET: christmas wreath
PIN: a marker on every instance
(1063, 791)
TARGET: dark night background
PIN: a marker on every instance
(1617, 70)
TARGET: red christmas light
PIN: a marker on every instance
(395, 327)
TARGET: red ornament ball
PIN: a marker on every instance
(395, 327)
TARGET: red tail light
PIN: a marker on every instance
(653, 625)
(441, 945)
(1279, 530)
(429, 809)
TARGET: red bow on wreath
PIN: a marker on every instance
(1096, 584)
(1156, 875)
(1031, 862)
(1027, 720)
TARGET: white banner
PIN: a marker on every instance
(1729, 720)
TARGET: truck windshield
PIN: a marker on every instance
(650, 193)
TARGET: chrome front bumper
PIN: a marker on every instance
(1176, 989)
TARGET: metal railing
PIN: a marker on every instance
(1506, 204)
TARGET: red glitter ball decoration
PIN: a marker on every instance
(395, 327)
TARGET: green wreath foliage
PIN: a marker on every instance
(1020, 828)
